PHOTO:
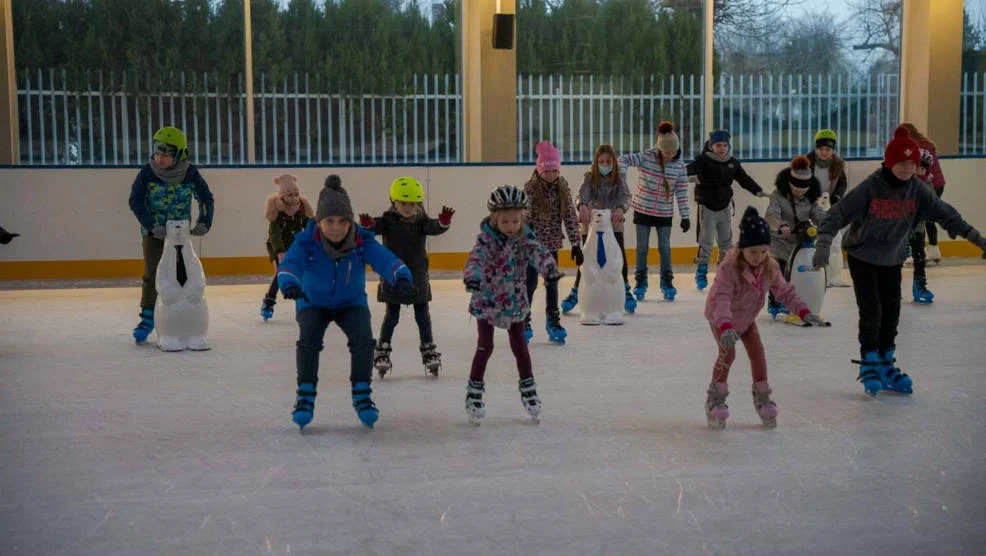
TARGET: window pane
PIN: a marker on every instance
(972, 114)
(784, 70)
(587, 75)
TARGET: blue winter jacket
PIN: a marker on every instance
(333, 284)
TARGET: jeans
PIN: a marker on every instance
(355, 324)
(663, 248)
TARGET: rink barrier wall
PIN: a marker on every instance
(75, 222)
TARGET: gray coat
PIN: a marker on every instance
(782, 211)
(606, 195)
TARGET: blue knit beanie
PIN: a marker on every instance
(719, 136)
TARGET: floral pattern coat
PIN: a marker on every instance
(500, 265)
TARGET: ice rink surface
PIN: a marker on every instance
(108, 448)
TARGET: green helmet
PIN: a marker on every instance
(407, 189)
(826, 134)
(174, 137)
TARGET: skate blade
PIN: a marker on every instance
(769, 422)
(475, 421)
(432, 371)
(717, 424)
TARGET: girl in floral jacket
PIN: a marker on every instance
(495, 274)
(737, 296)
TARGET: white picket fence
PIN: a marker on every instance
(110, 118)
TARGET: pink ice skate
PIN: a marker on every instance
(716, 410)
(766, 408)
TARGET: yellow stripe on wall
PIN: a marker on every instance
(235, 266)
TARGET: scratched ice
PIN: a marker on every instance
(107, 448)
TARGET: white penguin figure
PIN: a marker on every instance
(807, 280)
(602, 287)
(181, 313)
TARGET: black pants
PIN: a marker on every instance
(354, 322)
(931, 227)
(422, 315)
(271, 297)
(917, 252)
(152, 248)
(550, 289)
(623, 251)
(877, 290)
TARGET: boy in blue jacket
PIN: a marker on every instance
(324, 271)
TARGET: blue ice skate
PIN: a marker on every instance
(893, 379)
(629, 303)
(920, 292)
(868, 373)
(668, 289)
(304, 405)
(145, 326)
(266, 310)
(640, 292)
(556, 332)
(364, 406)
(776, 308)
(571, 301)
(701, 277)
(528, 332)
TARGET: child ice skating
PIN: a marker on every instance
(881, 212)
(324, 271)
(287, 212)
(404, 229)
(662, 180)
(830, 171)
(495, 275)
(551, 211)
(604, 187)
(746, 274)
(919, 285)
(937, 179)
(163, 190)
(793, 205)
(716, 170)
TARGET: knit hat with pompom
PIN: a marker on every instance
(902, 148)
(667, 139)
(800, 172)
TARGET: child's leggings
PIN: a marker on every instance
(484, 349)
(393, 315)
(754, 348)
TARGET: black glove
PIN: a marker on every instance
(405, 289)
(577, 255)
(6, 237)
(200, 229)
(686, 225)
(472, 285)
(294, 291)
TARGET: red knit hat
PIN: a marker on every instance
(901, 148)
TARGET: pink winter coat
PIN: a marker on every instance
(736, 298)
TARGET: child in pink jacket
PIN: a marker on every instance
(745, 276)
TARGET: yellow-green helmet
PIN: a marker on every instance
(826, 137)
(173, 136)
(407, 189)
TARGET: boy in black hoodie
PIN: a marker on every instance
(716, 170)
(882, 211)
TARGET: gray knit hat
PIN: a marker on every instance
(334, 201)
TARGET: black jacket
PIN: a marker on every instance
(714, 189)
(406, 239)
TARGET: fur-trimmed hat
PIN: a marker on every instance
(274, 204)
